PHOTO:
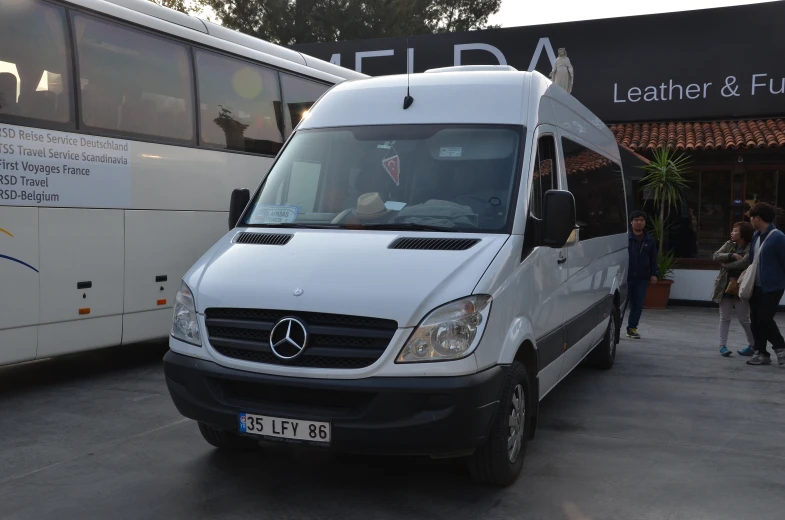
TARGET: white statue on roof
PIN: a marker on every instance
(563, 73)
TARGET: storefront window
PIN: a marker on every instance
(712, 203)
(714, 219)
(760, 187)
(683, 226)
(780, 201)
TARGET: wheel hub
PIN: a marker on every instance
(517, 423)
(612, 337)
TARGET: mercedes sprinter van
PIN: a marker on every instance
(427, 258)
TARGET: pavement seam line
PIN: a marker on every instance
(97, 450)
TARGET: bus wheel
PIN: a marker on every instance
(499, 460)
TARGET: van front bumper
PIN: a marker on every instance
(436, 416)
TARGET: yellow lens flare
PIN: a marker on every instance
(247, 83)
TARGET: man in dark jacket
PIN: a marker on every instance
(769, 243)
(642, 271)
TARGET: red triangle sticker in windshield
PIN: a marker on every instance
(392, 165)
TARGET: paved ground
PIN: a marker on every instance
(672, 432)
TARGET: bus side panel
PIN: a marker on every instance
(19, 283)
(75, 336)
(18, 345)
(147, 325)
(18, 267)
(187, 179)
(81, 263)
(160, 247)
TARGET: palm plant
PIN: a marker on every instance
(665, 260)
(664, 181)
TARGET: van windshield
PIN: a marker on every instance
(418, 177)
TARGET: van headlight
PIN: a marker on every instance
(452, 331)
(185, 325)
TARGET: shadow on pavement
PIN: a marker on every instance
(83, 365)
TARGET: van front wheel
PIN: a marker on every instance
(500, 459)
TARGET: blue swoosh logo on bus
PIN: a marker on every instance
(15, 259)
(19, 262)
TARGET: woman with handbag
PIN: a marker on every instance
(731, 257)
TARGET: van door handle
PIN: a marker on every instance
(561, 259)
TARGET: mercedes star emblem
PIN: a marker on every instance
(288, 338)
(298, 292)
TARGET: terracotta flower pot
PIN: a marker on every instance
(657, 295)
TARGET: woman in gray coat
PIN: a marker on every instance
(731, 257)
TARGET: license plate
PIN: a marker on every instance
(289, 429)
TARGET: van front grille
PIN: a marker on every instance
(334, 341)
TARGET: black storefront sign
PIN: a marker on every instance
(696, 65)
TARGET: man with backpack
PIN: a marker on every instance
(769, 243)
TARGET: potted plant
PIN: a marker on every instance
(664, 181)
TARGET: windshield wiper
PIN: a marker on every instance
(406, 226)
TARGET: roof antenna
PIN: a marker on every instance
(408, 100)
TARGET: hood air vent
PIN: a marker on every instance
(263, 239)
(434, 244)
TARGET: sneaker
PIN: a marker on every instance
(725, 352)
(780, 356)
(746, 351)
(632, 332)
(759, 359)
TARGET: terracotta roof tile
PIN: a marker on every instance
(711, 135)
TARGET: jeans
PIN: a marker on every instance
(742, 314)
(763, 307)
(636, 293)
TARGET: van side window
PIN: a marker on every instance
(596, 183)
(544, 174)
(35, 79)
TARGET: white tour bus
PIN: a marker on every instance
(413, 275)
(124, 127)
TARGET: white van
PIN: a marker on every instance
(414, 274)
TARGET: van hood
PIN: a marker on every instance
(349, 272)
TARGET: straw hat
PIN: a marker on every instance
(370, 206)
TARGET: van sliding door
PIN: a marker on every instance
(593, 259)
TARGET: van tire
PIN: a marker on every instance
(604, 354)
(227, 441)
(490, 464)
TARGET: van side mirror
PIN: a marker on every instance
(238, 203)
(558, 217)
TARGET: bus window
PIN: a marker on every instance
(34, 64)
(240, 105)
(298, 95)
(132, 81)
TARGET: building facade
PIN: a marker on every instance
(709, 83)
